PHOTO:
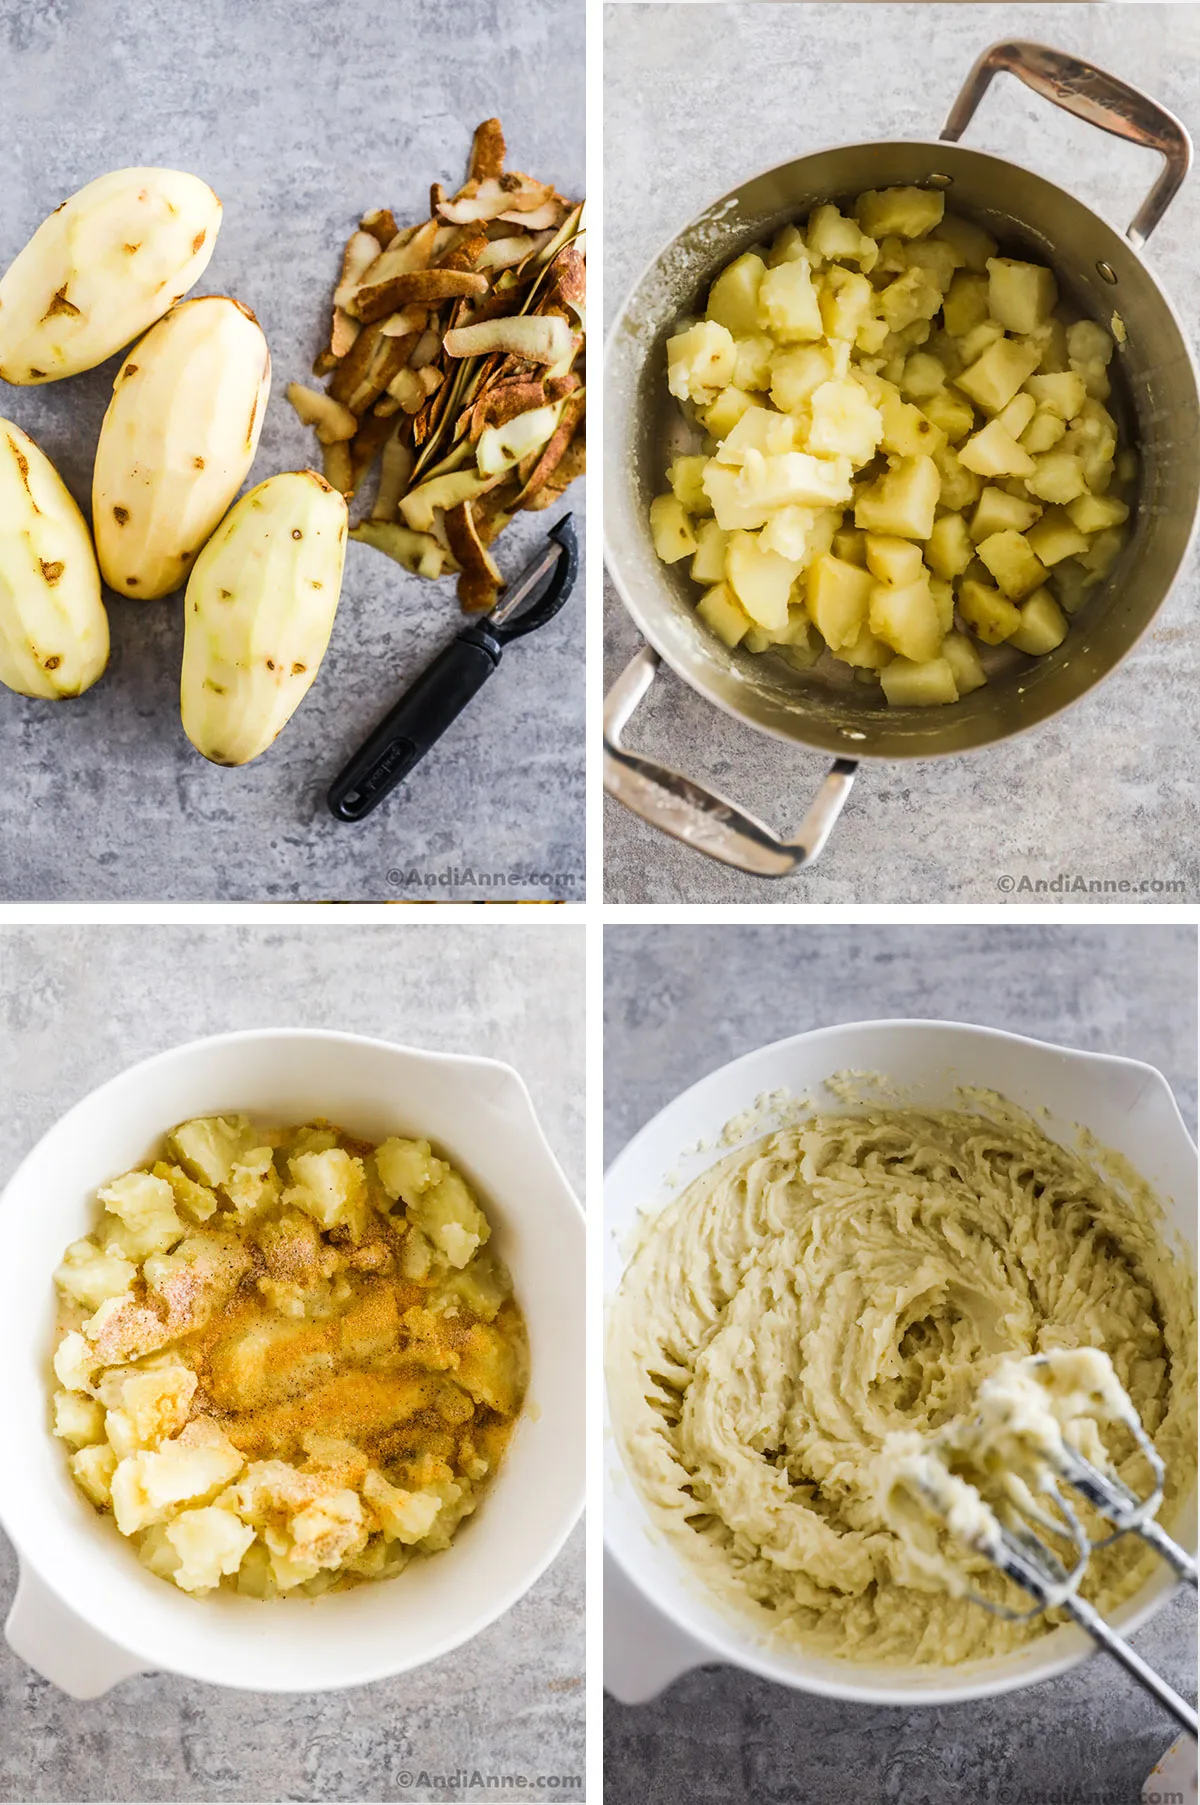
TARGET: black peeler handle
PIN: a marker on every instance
(420, 717)
(439, 695)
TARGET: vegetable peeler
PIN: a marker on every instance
(439, 695)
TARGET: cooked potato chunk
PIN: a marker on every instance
(963, 660)
(909, 685)
(760, 580)
(903, 502)
(838, 596)
(989, 614)
(733, 297)
(787, 303)
(671, 529)
(906, 618)
(906, 212)
(1013, 563)
(1043, 625)
(1020, 295)
(723, 615)
(994, 378)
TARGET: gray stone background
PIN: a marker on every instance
(301, 114)
(80, 1003)
(696, 99)
(680, 1002)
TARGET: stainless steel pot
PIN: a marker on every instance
(1154, 382)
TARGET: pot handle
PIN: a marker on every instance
(1094, 96)
(56, 1643)
(701, 818)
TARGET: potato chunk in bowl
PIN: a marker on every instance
(906, 452)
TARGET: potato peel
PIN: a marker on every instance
(444, 334)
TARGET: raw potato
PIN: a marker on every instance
(908, 450)
(105, 265)
(53, 626)
(258, 614)
(177, 442)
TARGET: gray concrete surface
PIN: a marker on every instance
(80, 1003)
(696, 99)
(301, 116)
(678, 1003)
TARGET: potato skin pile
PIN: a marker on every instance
(832, 1284)
(907, 454)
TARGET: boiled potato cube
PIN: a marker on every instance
(949, 548)
(760, 429)
(963, 660)
(723, 415)
(994, 452)
(1043, 625)
(906, 618)
(686, 477)
(911, 300)
(838, 596)
(966, 303)
(788, 306)
(760, 580)
(1063, 393)
(720, 612)
(797, 373)
(910, 685)
(961, 488)
(893, 560)
(907, 431)
(1092, 513)
(844, 422)
(998, 510)
(708, 565)
(831, 236)
(1056, 477)
(748, 497)
(1056, 536)
(908, 212)
(802, 645)
(786, 246)
(939, 261)
(1071, 584)
(733, 297)
(942, 591)
(1016, 567)
(850, 545)
(990, 615)
(671, 529)
(1102, 554)
(700, 361)
(971, 243)
(847, 301)
(1043, 432)
(792, 532)
(923, 376)
(1020, 295)
(1088, 342)
(903, 502)
(1016, 416)
(866, 652)
(752, 364)
(979, 339)
(993, 379)
(952, 414)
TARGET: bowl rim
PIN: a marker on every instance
(128, 1640)
(702, 1630)
(862, 753)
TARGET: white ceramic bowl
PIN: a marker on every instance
(87, 1614)
(659, 1618)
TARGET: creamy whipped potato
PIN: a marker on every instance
(855, 1277)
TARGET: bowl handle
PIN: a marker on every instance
(643, 1651)
(1094, 96)
(56, 1643)
(701, 818)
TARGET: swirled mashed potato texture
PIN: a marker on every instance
(859, 1275)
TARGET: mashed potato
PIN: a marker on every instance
(853, 1277)
(287, 1360)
